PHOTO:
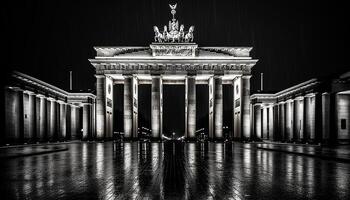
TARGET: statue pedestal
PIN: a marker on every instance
(186, 50)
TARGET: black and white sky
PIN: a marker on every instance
(293, 40)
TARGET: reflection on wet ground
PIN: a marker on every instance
(172, 171)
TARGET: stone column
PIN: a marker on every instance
(128, 107)
(86, 121)
(51, 118)
(265, 121)
(100, 106)
(257, 121)
(68, 122)
(74, 122)
(62, 119)
(245, 106)
(13, 115)
(41, 117)
(218, 108)
(271, 122)
(289, 120)
(310, 117)
(190, 102)
(29, 116)
(299, 118)
(282, 120)
(211, 108)
(326, 117)
(275, 123)
(135, 105)
(156, 107)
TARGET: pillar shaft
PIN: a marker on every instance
(275, 130)
(74, 123)
(257, 121)
(265, 122)
(326, 117)
(289, 120)
(211, 108)
(100, 107)
(135, 104)
(190, 107)
(86, 122)
(299, 119)
(128, 107)
(218, 108)
(282, 120)
(245, 96)
(63, 122)
(51, 119)
(57, 131)
(310, 117)
(42, 119)
(156, 107)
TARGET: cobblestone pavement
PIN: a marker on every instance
(172, 171)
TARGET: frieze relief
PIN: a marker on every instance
(245, 68)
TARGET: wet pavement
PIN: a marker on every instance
(30, 150)
(338, 153)
(172, 171)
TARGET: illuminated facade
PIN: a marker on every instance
(315, 111)
(36, 111)
(173, 59)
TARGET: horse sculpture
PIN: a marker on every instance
(189, 35)
(158, 37)
(173, 35)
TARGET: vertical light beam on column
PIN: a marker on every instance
(128, 107)
(191, 107)
(218, 109)
(155, 110)
(100, 106)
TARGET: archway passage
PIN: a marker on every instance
(144, 109)
(202, 107)
(174, 110)
(228, 110)
(118, 108)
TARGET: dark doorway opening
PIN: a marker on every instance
(174, 110)
(202, 108)
(118, 108)
(144, 110)
(227, 91)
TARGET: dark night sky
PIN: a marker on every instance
(293, 40)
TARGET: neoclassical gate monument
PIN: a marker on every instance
(173, 59)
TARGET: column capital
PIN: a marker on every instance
(128, 75)
(257, 104)
(41, 96)
(28, 92)
(50, 99)
(246, 76)
(100, 76)
(310, 94)
(14, 88)
(299, 98)
(61, 102)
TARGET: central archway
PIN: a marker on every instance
(173, 110)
